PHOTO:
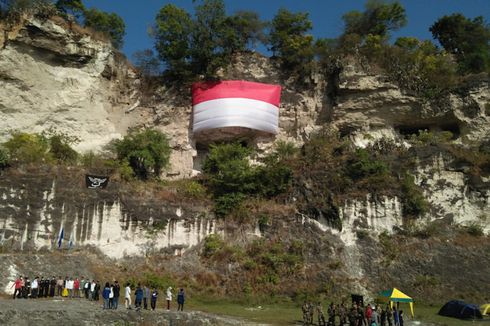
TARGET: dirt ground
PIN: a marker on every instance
(48, 312)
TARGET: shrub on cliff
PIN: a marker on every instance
(50, 146)
(413, 200)
(28, 148)
(231, 178)
(146, 151)
(4, 158)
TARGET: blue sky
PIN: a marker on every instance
(326, 15)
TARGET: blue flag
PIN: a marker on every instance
(60, 239)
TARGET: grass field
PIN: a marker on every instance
(290, 313)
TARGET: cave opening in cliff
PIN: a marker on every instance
(406, 131)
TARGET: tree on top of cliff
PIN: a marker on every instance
(379, 18)
(467, 39)
(147, 152)
(289, 39)
(71, 7)
(109, 23)
(203, 44)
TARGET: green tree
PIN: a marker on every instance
(228, 169)
(378, 18)
(60, 148)
(467, 39)
(289, 39)
(109, 23)
(147, 152)
(71, 7)
(208, 39)
(147, 63)
(172, 32)
(244, 31)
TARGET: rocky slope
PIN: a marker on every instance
(53, 75)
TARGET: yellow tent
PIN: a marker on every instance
(395, 295)
(485, 309)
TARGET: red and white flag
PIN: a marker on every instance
(235, 103)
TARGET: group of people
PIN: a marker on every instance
(356, 315)
(69, 287)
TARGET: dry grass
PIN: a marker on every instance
(77, 29)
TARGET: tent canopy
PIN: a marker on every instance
(395, 295)
(460, 309)
(485, 309)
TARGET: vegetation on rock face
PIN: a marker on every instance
(110, 24)
(231, 177)
(25, 148)
(147, 152)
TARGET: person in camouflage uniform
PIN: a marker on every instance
(342, 311)
(305, 309)
(331, 314)
(321, 316)
(389, 315)
(311, 312)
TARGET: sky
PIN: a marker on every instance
(326, 15)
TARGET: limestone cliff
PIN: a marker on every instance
(56, 76)
(53, 75)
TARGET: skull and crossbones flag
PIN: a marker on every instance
(96, 182)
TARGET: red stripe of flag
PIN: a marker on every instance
(207, 91)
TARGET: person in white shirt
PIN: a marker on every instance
(127, 296)
(169, 297)
(34, 287)
(92, 290)
(111, 297)
(69, 286)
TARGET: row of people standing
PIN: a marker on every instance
(356, 315)
(43, 287)
(143, 295)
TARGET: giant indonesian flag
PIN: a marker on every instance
(235, 103)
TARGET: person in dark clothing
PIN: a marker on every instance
(146, 297)
(117, 291)
(138, 297)
(352, 316)
(27, 288)
(389, 315)
(383, 317)
(180, 300)
(154, 297)
(97, 291)
(51, 286)
(400, 317)
(331, 314)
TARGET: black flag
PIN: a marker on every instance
(96, 182)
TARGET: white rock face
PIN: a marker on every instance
(450, 196)
(53, 78)
(108, 229)
(32, 219)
